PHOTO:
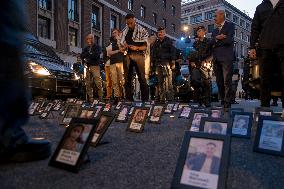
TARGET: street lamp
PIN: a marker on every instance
(185, 28)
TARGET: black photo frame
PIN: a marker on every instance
(215, 126)
(217, 112)
(71, 151)
(185, 112)
(176, 106)
(46, 111)
(33, 107)
(138, 120)
(169, 108)
(107, 107)
(104, 122)
(242, 124)
(189, 172)
(195, 119)
(98, 110)
(269, 135)
(262, 111)
(156, 114)
(232, 110)
(122, 115)
(150, 106)
(71, 111)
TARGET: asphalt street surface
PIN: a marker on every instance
(139, 160)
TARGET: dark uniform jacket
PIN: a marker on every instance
(267, 27)
(202, 51)
(91, 55)
(163, 51)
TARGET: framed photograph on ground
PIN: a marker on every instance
(176, 106)
(107, 107)
(118, 106)
(156, 114)
(138, 120)
(185, 112)
(203, 161)
(46, 111)
(33, 107)
(150, 106)
(58, 106)
(95, 102)
(262, 111)
(216, 113)
(182, 105)
(72, 111)
(98, 110)
(232, 110)
(269, 135)
(195, 118)
(122, 115)
(169, 108)
(242, 124)
(103, 124)
(71, 151)
(215, 126)
(87, 113)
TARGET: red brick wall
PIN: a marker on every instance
(31, 12)
(61, 25)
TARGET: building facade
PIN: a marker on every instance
(201, 12)
(63, 24)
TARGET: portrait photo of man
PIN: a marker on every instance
(215, 127)
(196, 121)
(240, 124)
(206, 162)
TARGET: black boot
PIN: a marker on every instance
(32, 150)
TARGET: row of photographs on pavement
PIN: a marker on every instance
(205, 153)
(208, 136)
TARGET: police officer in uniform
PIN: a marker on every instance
(199, 74)
(163, 61)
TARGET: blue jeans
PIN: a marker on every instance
(13, 103)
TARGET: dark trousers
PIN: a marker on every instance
(136, 61)
(13, 102)
(270, 62)
(224, 71)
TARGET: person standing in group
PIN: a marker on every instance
(201, 82)
(91, 57)
(223, 56)
(267, 33)
(134, 41)
(116, 65)
(163, 61)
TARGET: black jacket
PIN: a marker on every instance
(267, 27)
(203, 51)
(91, 55)
(163, 51)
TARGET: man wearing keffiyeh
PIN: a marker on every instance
(134, 43)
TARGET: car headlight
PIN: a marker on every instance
(38, 69)
(76, 77)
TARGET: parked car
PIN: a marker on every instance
(47, 74)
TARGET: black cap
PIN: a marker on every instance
(160, 28)
(200, 27)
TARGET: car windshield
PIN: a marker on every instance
(38, 49)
